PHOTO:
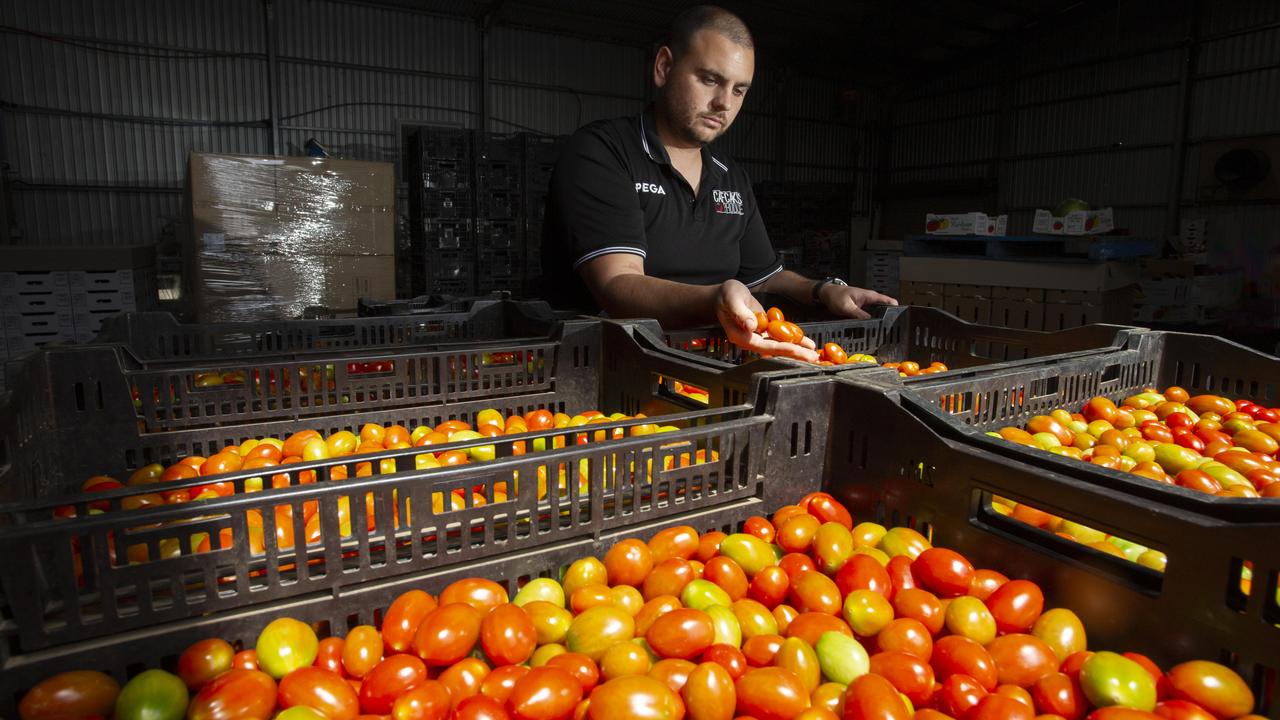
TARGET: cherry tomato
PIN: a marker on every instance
(1059, 694)
(959, 694)
(900, 578)
(400, 625)
(911, 675)
(669, 578)
(499, 683)
(1016, 605)
(483, 595)
(1000, 707)
(761, 649)
(448, 634)
(810, 626)
(709, 693)
(329, 655)
(796, 563)
(245, 660)
(728, 575)
(769, 586)
(760, 527)
(580, 666)
(907, 635)
(672, 672)
(362, 651)
(920, 605)
(771, 694)
(1214, 687)
(480, 707)
(814, 592)
(284, 645)
(683, 633)
(728, 657)
(388, 680)
(796, 533)
(428, 701)
(238, 693)
(634, 696)
(828, 509)
(73, 694)
(677, 542)
(872, 697)
(1182, 710)
(203, 661)
(628, 563)
(545, 693)
(463, 679)
(1021, 659)
(956, 654)
(507, 635)
(320, 689)
(945, 573)
(863, 572)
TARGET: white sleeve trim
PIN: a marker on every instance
(767, 275)
(609, 251)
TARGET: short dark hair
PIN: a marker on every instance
(706, 17)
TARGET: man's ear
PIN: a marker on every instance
(662, 65)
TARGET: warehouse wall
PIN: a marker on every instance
(100, 103)
(1094, 112)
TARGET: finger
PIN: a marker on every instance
(790, 350)
(809, 343)
(875, 298)
(849, 308)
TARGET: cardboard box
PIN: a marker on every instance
(1007, 273)
(1067, 310)
(272, 236)
(951, 290)
(1080, 222)
(974, 223)
(970, 309)
(1017, 314)
(1017, 293)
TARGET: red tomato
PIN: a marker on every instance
(1116, 712)
(580, 666)
(796, 533)
(236, 693)
(320, 689)
(480, 707)
(828, 509)
(400, 625)
(463, 679)
(810, 627)
(863, 572)
(329, 655)
(872, 697)
(672, 672)
(945, 573)
(959, 694)
(709, 693)
(428, 701)
(499, 683)
(203, 661)
(677, 542)
(761, 649)
(1072, 663)
(507, 635)
(628, 563)
(814, 592)
(921, 605)
(1021, 659)
(957, 654)
(388, 680)
(634, 696)
(1000, 707)
(1182, 710)
(683, 633)
(911, 675)
(728, 657)
(483, 595)
(544, 693)
(769, 586)
(709, 545)
(760, 527)
(1059, 694)
(245, 660)
(72, 694)
(796, 563)
(1214, 687)
(906, 635)
(1016, 605)
(668, 578)
(1162, 682)
(362, 651)
(448, 634)
(772, 693)
(900, 578)
(728, 575)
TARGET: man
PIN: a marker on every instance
(644, 220)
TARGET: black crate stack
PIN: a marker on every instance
(442, 211)
(477, 202)
(809, 224)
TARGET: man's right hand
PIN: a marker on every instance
(736, 310)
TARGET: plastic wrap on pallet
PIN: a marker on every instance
(273, 236)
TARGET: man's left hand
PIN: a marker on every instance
(848, 301)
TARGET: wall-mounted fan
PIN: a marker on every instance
(1246, 169)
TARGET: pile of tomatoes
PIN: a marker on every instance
(804, 616)
(911, 368)
(775, 326)
(271, 454)
(1206, 443)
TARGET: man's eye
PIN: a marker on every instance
(739, 92)
(709, 80)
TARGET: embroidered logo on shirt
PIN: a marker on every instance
(650, 188)
(728, 202)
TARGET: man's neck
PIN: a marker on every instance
(680, 151)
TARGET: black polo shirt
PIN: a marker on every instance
(614, 190)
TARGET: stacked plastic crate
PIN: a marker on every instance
(499, 210)
(442, 211)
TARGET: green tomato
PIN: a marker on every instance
(544, 589)
(749, 551)
(728, 631)
(701, 594)
(301, 712)
(1111, 679)
(867, 612)
(1156, 560)
(1046, 441)
(286, 645)
(842, 658)
(153, 695)
(1082, 533)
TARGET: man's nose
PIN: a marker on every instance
(720, 100)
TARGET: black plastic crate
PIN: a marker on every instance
(433, 143)
(441, 305)
(500, 148)
(501, 264)
(499, 235)
(456, 204)
(967, 405)
(925, 335)
(338, 611)
(443, 175)
(718, 458)
(445, 266)
(445, 234)
(498, 205)
(887, 463)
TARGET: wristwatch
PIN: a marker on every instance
(817, 287)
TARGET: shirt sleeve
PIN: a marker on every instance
(758, 260)
(594, 198)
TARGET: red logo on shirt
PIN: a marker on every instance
(728, 202)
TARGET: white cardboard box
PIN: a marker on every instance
(974, 223)
(1081, 222)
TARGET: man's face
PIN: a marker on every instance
(702, 91)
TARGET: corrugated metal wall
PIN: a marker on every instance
(100, 103)
(1093, 112)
